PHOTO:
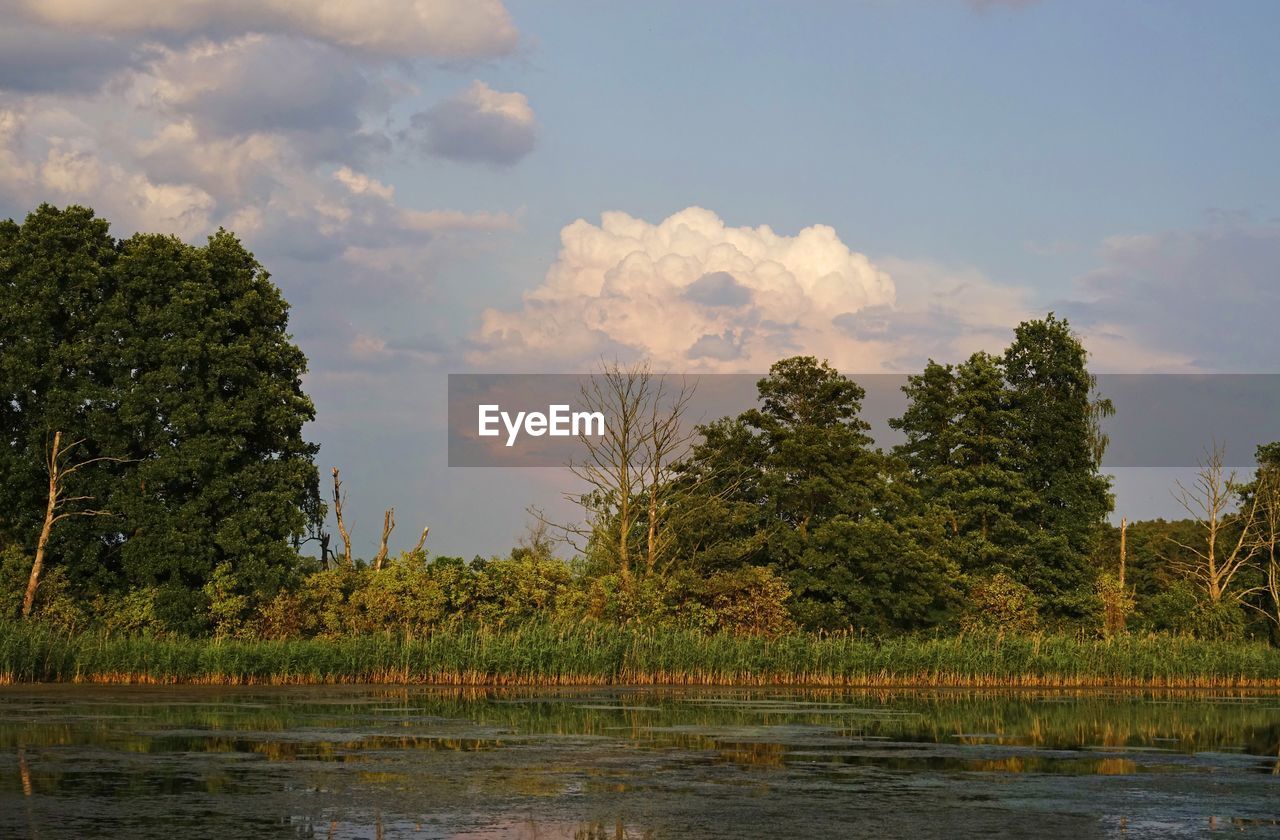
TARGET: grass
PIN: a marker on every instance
(604, 655)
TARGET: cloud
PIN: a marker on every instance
(263, 117)
(694, 294)
(726, 347)
(478, 125)
(442, 29)
(719, 288)
(690, 291)
(67, 176)
(1199, 299)
(262, 84)
(38, 60)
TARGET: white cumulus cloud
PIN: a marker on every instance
(692, 292)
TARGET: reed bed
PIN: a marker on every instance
(547, 655)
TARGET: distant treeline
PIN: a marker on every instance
(155, 481)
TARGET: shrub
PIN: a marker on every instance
(751, 599)
(1000, 604)
(229, 608)
(131, 613)
(525, 587)
(15, 568)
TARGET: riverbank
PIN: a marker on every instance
(609, 655)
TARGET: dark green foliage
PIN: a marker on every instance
(926, 423)
(173, 357)
(723, 524)
(795, 485)
(1007, 450)
(1052, 398)
(174, 361)
(983, 489)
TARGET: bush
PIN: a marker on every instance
(56, 604)
(1182, 609)
(229, 608)
(15, 569)
(636, 601)
(528, 585)
(1117, 604)
(1000, 604)
(751, 599)
(132, 613)
(402, 597)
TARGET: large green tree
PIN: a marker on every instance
(926, 424)
(795, 484)
(1047, 372)
(1008, 449)
(981, 487)
(176, 358)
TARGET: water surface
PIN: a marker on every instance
(79, 761)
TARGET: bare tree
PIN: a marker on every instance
(1209, 501)
(422, 540)
(338, 499)
(388, 525)
(59, 471)
(664, 442)
(628, 468)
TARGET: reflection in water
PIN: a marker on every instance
(631, 763)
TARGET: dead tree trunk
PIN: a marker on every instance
(388, 525)
(1124, 526)
(37, 565)
(58, 474)
(342, 526)
(422, 540)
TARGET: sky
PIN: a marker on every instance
(457, 186)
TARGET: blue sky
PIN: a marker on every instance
(929, 172)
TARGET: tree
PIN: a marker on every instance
(982, 489)
(339, 504)
(55, 273)
(723, 525)
(177, 359)
(931, 409)
(794, 485)
(1228, 542)
(1058, 428)
(56, 508)
(629, 469)
(818, 462)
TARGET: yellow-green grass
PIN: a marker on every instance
(612, 655)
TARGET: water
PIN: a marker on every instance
(171, 763)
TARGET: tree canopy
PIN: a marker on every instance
(176, 360)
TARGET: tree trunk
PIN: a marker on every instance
(37, 565)
(342, 526)
(388, 525)
(1124, 526)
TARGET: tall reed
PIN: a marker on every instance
(542, 654)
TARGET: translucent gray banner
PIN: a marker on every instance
(1161, 420)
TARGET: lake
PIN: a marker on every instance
(346, 762)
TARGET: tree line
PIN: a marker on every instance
(156, 478)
